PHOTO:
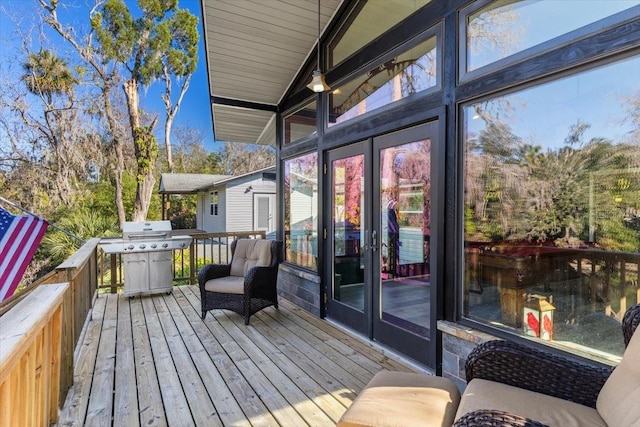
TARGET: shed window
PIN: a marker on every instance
(213, 207)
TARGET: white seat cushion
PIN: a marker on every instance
(403, 399)
(226, 285)
(483, 394)
(250, 253)
(619, 400)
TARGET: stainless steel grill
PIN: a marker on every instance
(147, 249)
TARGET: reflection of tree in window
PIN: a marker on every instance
(517, 191)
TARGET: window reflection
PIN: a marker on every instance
(300, 210)
(358, 29)
(300, 123)
(552, 207)
(411, 72)
(503, 28)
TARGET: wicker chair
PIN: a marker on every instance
(501, 376)
(539, 371)
(246, 285)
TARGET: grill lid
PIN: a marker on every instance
(146, 230)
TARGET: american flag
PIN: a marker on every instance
(19, 238)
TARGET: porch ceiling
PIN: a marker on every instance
(254, 50)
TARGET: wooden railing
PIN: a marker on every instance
(41, 326)
(205, 248)
(30, 358)
(79, 274)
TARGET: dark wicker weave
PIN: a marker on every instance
(524, 367)
(514, 364)
(630, 322)
(495, 418)
(260, 286)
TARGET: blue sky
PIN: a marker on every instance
(195, 111)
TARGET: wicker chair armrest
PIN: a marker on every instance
(492, 417)
(524, 367)
(630, 323)
(260, 278)
(213, 271)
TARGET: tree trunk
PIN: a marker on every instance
(167, 140)
(171, 111)
(146, 152)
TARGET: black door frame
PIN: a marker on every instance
(426, 351)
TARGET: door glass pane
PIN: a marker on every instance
(348, 238)
(404, 235)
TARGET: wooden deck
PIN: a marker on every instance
(152, 361)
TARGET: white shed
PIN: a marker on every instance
(233, 203)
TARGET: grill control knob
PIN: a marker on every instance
(143, 246)
(130, 247)
(153, 246)
(164, 245)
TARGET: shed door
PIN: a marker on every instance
(263, 212)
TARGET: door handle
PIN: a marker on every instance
(366, 245)
(374, 240)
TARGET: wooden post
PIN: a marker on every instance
(114, 274)
(192, 262)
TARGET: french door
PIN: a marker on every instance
(379, 240)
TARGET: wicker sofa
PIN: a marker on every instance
(510, 385)
(246, 285)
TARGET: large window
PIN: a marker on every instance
(552, 209)
(410, 72)
(301, 210)
(501, 29)
(368, 22)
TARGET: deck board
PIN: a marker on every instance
(75, 408)
(150, 413)
(152, 361)
(126, 408)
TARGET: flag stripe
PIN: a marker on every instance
(19, 241)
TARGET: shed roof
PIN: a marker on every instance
(187, 183)
(232, 179)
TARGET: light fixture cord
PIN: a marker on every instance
(318, 35)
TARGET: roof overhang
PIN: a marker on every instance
(254, 51)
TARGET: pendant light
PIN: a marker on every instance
(318, 84)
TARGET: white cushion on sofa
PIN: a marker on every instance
(483, 394)
(619, 400)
